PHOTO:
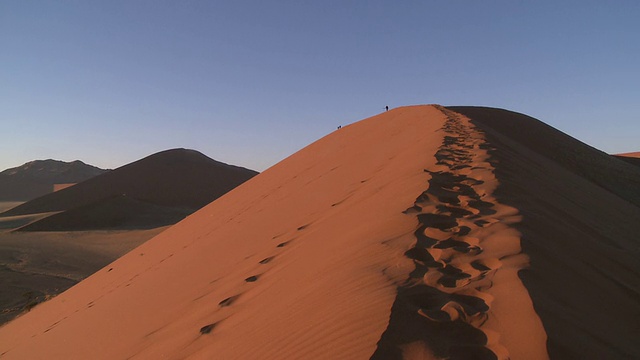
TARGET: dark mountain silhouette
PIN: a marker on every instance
(36, 178)
(177, 181)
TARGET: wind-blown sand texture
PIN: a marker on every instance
(399, 236)
(35, 266)
(635, 154)
(580, 223)
(467, 256)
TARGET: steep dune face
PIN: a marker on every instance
(414, 234)
(632, 158)
(316, 258)
(175, 178)
(580, 226)
(574, 156)
(635, 154)
(298, 262)
(471, 302)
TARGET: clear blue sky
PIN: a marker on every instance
(250, 82)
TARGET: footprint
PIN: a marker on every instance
(266, 260)
(413, 210)
(207, 328)
(228, 301)
(444, 255)
(251, 278)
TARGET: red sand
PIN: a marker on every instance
(389, 238)
(175, 178)
(630, 154)
(58, 187)
(323, 234)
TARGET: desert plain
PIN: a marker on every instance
(39, 265)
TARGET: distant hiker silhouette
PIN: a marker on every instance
(339, 127)
(386, 108)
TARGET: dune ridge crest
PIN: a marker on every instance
(465, 244)
(301, 261)
(580, 223)
(321, 256)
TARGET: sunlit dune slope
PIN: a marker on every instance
(301, 261)
(414, 234)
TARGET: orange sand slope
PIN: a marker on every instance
(632, 157)
(390, 238)
(630, 154)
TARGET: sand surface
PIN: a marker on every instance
(6, 205)
(313, 259)
(630, 154)
(419, 233)
(37, 266)
(579, 231)
(631, 158)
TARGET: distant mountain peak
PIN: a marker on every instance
(36, 178)
(177, 178)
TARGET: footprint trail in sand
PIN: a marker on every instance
(442, 309)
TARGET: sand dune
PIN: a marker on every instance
(632, 158)
(416, 234)
(466, 260)
(114, 213)
(158, 190)
(580, 226)
(630, 154)
(38, 266)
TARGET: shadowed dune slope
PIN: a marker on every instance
(580, 228)
(577, 157)
(632, 158)
(114, 213)
(37, 178)
(176, 178)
